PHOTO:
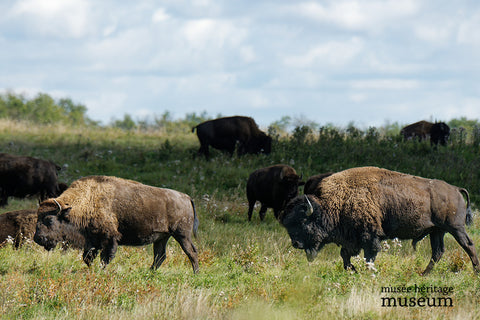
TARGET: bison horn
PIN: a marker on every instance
(310, 208)
(58, 204)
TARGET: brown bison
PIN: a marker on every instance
(99, 213)
(22, 177)
(19, 225)
(224, 134)
(360, 207)
(437, 132)
(312, 186)
(273, 186)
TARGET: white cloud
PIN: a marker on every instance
(434, 33)
(371, 15)
(160, 15)
(468, 30)
(386, 84)
(208, 33)
(332, 53)
(58, 18)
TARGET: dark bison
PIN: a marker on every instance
(273, 186)
(225, 133)
(437, 132)
(360, 207)
(99, 213)
(22, 177)
(19, 225)
(312, 186)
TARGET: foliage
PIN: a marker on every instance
(247, 269)
(43, 109)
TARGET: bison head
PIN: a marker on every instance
(439, 133)
(52, 223)
(302, 219)
(290, 181)
(260, 143)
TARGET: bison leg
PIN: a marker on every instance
(108, 251)
(251, 205)
(467, 244)
(159, 252)
(346, 255)
(3, 199)
(189, 249)
(438, 248)
(370, 252)
(263, 212)
(204, 149)
(89, 254)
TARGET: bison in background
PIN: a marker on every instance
(360, 207)
(224, 134)
(437, 132)
(312, 186)
(99, 213)
(22, 177)
(19, 225)
(273, 186)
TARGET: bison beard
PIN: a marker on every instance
(360, 207)
(99, 213)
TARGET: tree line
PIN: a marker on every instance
(43, 109)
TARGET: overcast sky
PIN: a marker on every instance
(332, 61)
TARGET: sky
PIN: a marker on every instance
(369, 62)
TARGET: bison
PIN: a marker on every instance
(101, 212)
(437, 132)
(273, 186)
(313, 183)
(224, 134)
(22, 176)
(19, 225)
(360, 207)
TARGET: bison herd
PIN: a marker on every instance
(356, 208)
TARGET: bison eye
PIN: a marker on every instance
(48, 221)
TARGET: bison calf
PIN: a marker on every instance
(273, 186)
(99, 213)
(19, 225)
(359, 207)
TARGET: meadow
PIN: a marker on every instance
(248, 270)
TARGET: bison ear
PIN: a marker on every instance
(301, 183)
(65, 214)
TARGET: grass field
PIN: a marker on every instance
(248, 270)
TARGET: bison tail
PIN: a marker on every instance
(195, 220)
(469, 216)
(193, 129)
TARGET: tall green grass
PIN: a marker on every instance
(248, 270)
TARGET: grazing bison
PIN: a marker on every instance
(273, 186)
(27, 176)
(312, 186)
(19, 225)
(437, 132)
(224, 134)
(99, 213)
(360, 207)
